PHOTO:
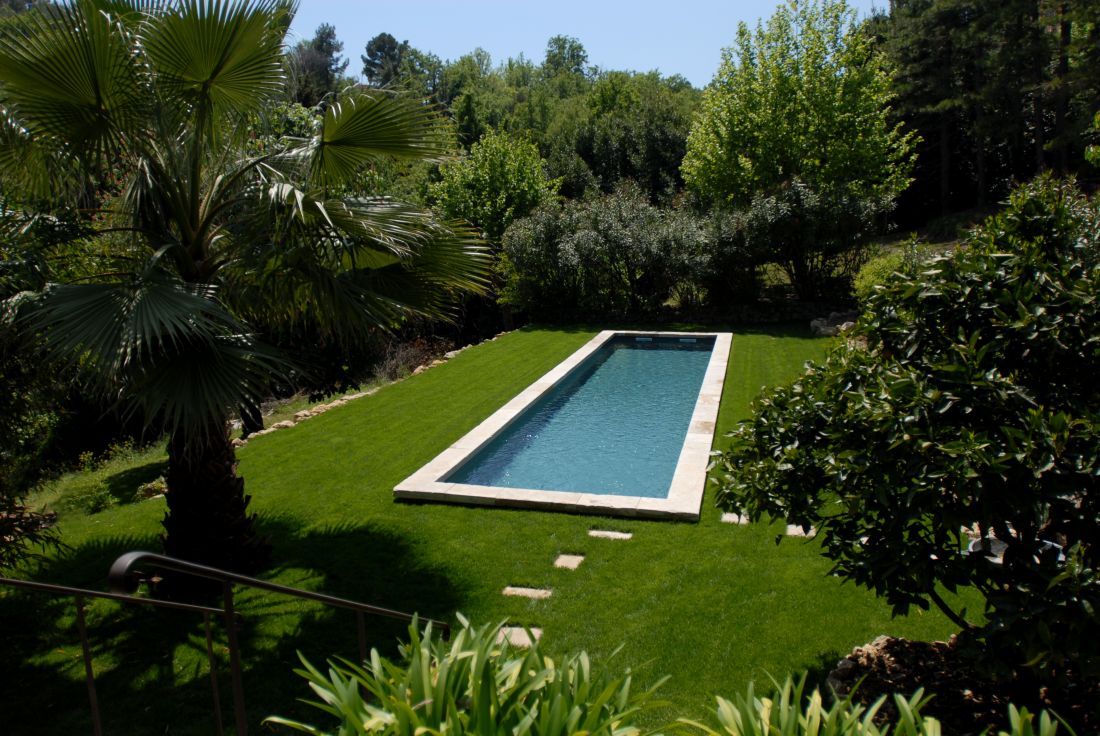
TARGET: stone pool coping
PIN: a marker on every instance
(685, 495)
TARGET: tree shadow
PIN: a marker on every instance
(124, 484)
(151, 664)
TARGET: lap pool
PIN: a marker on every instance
(623, 426)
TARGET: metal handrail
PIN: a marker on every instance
(80, 594)
(124, 578)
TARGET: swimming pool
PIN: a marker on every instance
(623, 426)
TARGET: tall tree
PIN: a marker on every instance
(382, 60)
(317, 66)
(141, 114)
(806, 96)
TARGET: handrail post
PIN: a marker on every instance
(89, 673)
(212, 661)
(234, 660)
(361, 629)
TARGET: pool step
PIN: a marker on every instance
(604, 534)
(517, 636)
(536, 594)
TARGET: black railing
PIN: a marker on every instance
(133, 568)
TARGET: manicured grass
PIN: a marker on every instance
(710, 604)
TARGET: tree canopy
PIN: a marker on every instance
(804, 95)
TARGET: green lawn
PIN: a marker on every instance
(710, 604)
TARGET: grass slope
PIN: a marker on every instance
(710, 604)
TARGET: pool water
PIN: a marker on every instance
(614, 426)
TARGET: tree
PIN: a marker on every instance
(141, 116)
(803, 96)
(614, 255)
(382, 60)
(564, 55)
(965, 403)
(501, 180)
(318, 66)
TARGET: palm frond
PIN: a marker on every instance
(218, 55)
(366, 127)
(68, 72)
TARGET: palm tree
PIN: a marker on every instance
(140, 113)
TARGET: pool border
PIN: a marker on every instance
(685, 497)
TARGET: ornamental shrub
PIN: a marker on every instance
(966, 405)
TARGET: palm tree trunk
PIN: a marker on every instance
(208, 520)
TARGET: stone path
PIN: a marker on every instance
(792, 530)
(518, 636)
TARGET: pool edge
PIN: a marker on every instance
(686, 491)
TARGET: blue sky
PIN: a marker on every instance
(675, 36)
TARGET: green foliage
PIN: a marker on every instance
(997, 91)
(803, 96)
(501, 180)
(472, 685)
(1092, 153)
(142, 121)
(877, 270)
(615, 255)
(966, 401)
(316, 66)
(788, 711)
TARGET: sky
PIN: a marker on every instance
(683, 37)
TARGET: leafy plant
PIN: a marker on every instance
(972, 408)
(139, 115)
(788, 711)
(612, 255)
(471, 685)
(878, 269)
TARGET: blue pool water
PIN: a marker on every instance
(614, 426)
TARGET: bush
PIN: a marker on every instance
(612, 256)
(969, 406)
(787, 711)
(475, 685)
(472, 685)
(905, 260)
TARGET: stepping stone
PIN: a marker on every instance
(569, 562)
(794, 530)
(537, 594)
(732, 518)
(601, 534)
(517, 636)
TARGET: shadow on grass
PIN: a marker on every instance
(151, 664)
(124, 484)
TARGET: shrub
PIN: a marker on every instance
(787, 711)
(875, 272)
(611, 256)
(972, 406)
(472, 685)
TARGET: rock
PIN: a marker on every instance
(452, 353)
(238, 442)
(419, 369)
(434, 363)
(303, 414)
(845, 668)
(283, 425)
(262, 432)
(847, 326)
(359, 395)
